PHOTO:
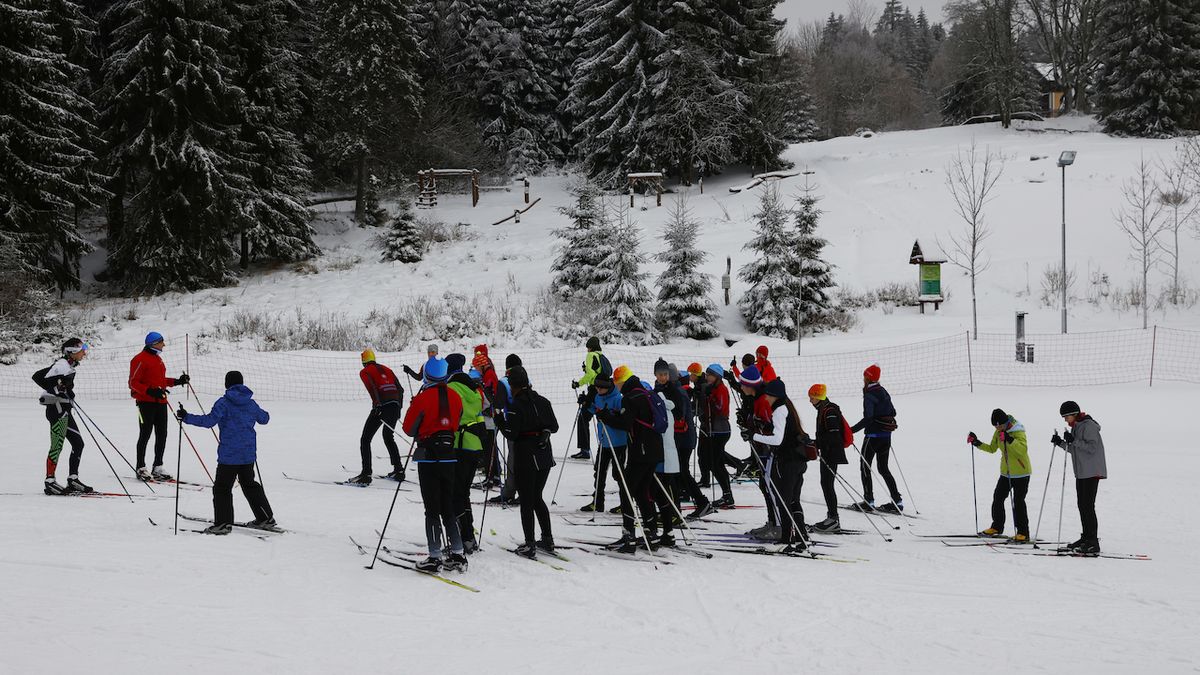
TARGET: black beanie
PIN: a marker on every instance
(233, 377)
(661, 366)
(748, 360)
(455, 362)
(518, 378)
(775, 388)
(1068, 408)
(512, 361)
(593, 344)
(999, 417)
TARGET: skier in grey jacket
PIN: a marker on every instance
(1083, 442)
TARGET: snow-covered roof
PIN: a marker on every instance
(1047, 71)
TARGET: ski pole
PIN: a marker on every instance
(906, 488)
(637, 513)
(563, 466)
(88, 419)
(488, 490)
(109, 463)
(88, 423)
(1041, 509)
(869, 514)
(197, 452)
(686, 527)
(874, 467)
(974, 492)
(192, 392)
(178, 470)
(773, 489)
(385, 523)
(596, 478)
(1062, 495)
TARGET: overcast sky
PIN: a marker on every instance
(803, 11)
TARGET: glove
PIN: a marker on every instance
(411, 373)
(747, 434)
(182, 379)
(582, 399)
(733, 363)
(1068, 437)
(1057, 440)
(181, 414)
(973, 439)
(156, 392)
(574, 384)
(605, 415)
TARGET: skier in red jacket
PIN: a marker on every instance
(148, 384)
(387, 397)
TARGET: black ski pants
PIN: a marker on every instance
(437, 492)
(687, 482)
(604, 464)
(1019, 487)
(531, 483)
(152, 417)
(788, 477)
(879, 449)
(583, 429)
(713, 460)
(62, 428)
(765, 463)
(828, 481)
(386, 416)
(464, 475)
(1086, 490)
(223, 493)
(639, 479)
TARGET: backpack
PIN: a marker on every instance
(658, 413)
(605, 366)
(847, 435)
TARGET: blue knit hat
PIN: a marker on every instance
(435, 370)
(716, 369)
(474, 374)
(152, 337)
(751, 377)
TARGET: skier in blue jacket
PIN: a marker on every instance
(235, 414)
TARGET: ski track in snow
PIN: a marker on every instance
(302, 602)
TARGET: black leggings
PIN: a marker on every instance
(152, 417)
(604, 464)
(687, 482)
(879, 448)
(437, 492)
(62, 428)
(1085, 496)
(1019, 488)
(788, 477)
(583, 429)
(464, 474)
(223, 493)
(828, 480)
(653, 505)
(713, 459)
(386, 416)
(531, 481)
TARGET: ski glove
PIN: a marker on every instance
(582, 399)
(733, 363)
(575, 384)
(1068, 437)
(747, 434)
(1057, 440)
(182, 379)
(181, 414)
(156, 392)
(411, 373)
(973, 439)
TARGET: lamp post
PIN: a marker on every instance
(1067, 158)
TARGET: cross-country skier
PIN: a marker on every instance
(1015, 472)
(1083, 442)
(387, 398)
(611, 440)
(148, 384)
(432, 418)
(235, 414)
(431, 352)
(755, 416)
(758, 360)
(684, 431)
(594, 363)
(58, 391)
(787, 441)
(468, 446)
(715, 431)
(878, 422)
(831, 443)
(529, 423)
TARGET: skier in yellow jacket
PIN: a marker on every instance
(1015, 471)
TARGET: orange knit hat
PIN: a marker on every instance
(817, 391)
(620, 374)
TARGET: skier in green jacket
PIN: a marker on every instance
(1015, 471)
(594, 363)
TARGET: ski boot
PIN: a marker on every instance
(429, 565)
(527, 550)
(76, 485)
(992, 532)
(725, 502)
(582, 454)
(864, 506)
(456, 562)
(704, 509)
(1019, 538)
(666, 539)
(143, 474)
(616, 510)
(53, 488)
(896, 508)
(828, 525)
(363, 479)
(470, 546)
(219, 528)
(593, 506)
(396, 475)
(546, 543)
(264, 524)
(1089, 547)
(626, 544)
(157, 473)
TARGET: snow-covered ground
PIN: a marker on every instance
(91, 581)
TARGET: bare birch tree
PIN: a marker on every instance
(972, 176)
(1141, 218)
(1177, 193)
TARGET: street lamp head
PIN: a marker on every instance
(1066, 159)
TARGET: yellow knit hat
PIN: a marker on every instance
(368, 355)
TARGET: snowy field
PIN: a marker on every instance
(92, 581)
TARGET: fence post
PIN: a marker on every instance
(970, 369)
(1153, 352)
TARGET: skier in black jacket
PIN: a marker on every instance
(667, 377)
(832, 447)
(787, 441)
(528, 424)
(878, 422)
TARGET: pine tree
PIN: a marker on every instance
(624, 314)
(369, 53)
(563, 50)
(402, 243)
(172, 116)
(753, 55)
(769, 304)
(47, 164)
(273, 221)
(1149, 79)
(814, 275)
(575, 264)
(684, 306)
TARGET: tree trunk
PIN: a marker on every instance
(1145, 292)
(974, 308)
(245, 262)
(360, 190)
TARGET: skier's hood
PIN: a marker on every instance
(239, 394)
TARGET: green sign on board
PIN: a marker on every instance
(931, 279)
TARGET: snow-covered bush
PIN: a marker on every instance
(402, 242)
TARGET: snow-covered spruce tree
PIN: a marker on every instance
(575, 264)
(563, 49)
(172, 116)
(47, 167)
(685, 308)
(769, 304)
(402, 242)
(625, 314)
(273, 221)
(750, 67)
(1149, 78)
(611, 97)
(369, 52)
(814, 275)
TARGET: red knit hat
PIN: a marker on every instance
(762, 351)
(695, 369)
(872, 372)
(817, 391)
